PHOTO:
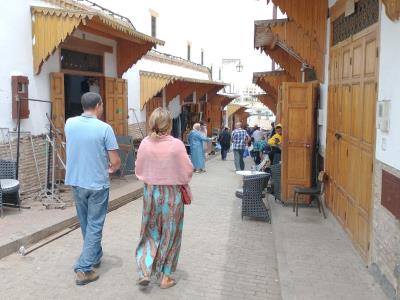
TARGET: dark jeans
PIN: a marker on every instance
(238, 156)
(224, 152)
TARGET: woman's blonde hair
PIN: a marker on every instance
(160, 122)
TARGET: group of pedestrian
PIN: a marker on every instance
(162, 164)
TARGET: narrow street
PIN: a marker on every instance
(222, 256)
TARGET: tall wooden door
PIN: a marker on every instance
(57, 96)
(116, 104)
(351, 134)
(298, 143)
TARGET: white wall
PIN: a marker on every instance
(132, 75)
(388, 144)
(17, 59)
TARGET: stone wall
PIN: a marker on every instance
(386, 238)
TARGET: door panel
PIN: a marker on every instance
(116, 105)
(346, 109)
(351, 136)
(57, 96)
(298, 119)
(356, 116)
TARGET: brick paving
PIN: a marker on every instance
(222, 256)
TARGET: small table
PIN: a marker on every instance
(249, 173)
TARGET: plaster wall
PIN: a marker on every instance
(16, 52)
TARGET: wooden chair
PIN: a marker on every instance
(315, 192)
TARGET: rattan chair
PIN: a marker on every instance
(276, 181)
(9, 185)
(252, 196)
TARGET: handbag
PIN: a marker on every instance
(186, 194)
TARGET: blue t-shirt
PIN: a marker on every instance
(88, 140)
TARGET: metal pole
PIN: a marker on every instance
(19, 133)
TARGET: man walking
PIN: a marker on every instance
(91, 156)
(225, 141)
(239, 140)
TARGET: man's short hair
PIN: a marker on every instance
(90, 100)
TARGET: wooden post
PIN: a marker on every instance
(164, 98)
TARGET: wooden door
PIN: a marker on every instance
(116, 104)
(351, 135)
(57, 96)
(298, 121)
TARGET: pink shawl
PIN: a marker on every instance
(163, 161)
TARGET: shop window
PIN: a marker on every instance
(79, 61)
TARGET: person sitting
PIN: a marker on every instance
(259, 148)
(275, 143)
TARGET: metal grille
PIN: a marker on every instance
(366, 14)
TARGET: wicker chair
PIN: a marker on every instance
(252, 196)
(276, 181)
(9, 185)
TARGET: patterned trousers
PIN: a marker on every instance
(161, 232)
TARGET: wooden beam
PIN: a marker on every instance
(81, 45)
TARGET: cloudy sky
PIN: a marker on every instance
(223, 28)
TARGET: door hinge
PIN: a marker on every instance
(351, 60)
(347, 152)
(377, 52)
(368, 246)
(372, 167)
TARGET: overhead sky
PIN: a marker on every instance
(223, 28)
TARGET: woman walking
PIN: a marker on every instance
(164, 166)
(196, 141)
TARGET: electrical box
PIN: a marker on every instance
(19, 87)
(320, 117)
(383, 115)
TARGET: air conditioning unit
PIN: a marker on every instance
(383, 115)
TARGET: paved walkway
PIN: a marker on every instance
(222, 256)
(316, 259)
(21, 227)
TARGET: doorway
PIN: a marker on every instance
(74, 87)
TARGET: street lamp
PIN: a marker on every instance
(239, 66)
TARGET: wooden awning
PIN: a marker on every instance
(222, 99)
(269, 101)
(289, 36)
(310, 15)
(270, 81)
(51, 26)
(232, 109)
(152, 83)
